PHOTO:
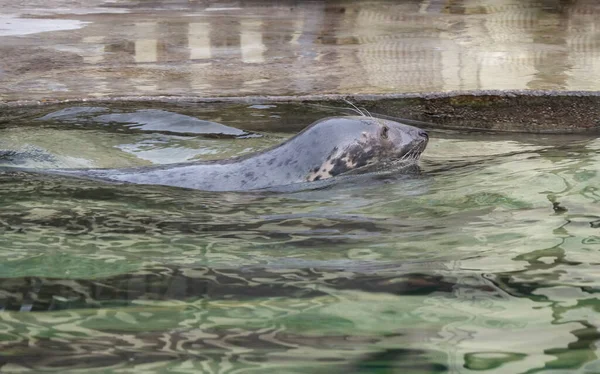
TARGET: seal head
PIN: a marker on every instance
(368, 142)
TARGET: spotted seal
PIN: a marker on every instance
(325, 149)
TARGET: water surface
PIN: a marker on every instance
(207, 48)
(485, 261)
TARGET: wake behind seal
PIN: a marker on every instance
(327, 148)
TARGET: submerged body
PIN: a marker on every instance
(327, 148)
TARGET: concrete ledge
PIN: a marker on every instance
(505, 111)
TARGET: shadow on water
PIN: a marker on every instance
(195, 288)
(37, 294)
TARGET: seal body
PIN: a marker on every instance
(329, 147)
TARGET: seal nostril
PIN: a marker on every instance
(424, 134)
(384, 132)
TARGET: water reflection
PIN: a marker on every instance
(245, 283)
(486, 262)
(331, 46)
(198, 293)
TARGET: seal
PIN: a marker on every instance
(327, 148)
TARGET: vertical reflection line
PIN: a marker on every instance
(251, 42)
(199, 41)
(97, 57)
(201, 52)
(146, 49)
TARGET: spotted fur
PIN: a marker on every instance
(362, 153)
(325, 149)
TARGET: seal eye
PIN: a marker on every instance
(384, 132)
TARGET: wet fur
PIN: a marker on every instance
(327, 148)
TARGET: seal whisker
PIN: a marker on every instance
(412, 154)
(356, 111)
(355, 107)
(365, 109)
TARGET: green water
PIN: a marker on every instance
(485, 261)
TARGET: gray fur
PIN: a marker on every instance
(328, 147)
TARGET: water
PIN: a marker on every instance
(485, 261)
(205, 48)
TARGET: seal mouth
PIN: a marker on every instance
(413, 154)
